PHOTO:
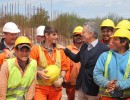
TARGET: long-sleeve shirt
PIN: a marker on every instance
(4, 75)
(35, 54)
(116, 70)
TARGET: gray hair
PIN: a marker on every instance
(91, 27)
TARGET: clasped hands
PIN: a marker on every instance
(111, 86)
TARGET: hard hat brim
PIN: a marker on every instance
(16, 31)
(24, 45)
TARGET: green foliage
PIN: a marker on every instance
(39, 18)
(65, 23)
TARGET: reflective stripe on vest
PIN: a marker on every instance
(126, 93)
(18, 84)
(15, 97)
(18, 88)
(43, 63)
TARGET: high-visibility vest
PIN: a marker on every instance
(18, 85)
(43, 63)
(126, 93)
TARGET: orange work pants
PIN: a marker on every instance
(107, 98)
(47, 93)
(70, 91)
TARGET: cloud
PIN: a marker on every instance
(83, 8)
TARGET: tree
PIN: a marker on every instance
(65, 23)
(39, 18)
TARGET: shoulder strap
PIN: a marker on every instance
(127, 69)
(107, 63)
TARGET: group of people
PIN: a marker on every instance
(90, 69)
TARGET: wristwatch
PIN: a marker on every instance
(62, 77)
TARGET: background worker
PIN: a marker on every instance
(49, 54)
(71, 75)
(89, 52)
(10, 31)
(107, 29)
(18, 75)
(112, 70)
(40, 34)
(123, 24)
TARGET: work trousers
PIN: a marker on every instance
(80, 95)
(47, 93)
(70, 91)
(110, 98)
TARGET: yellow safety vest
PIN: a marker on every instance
(43, 63)
(126, 93)
(18, 85)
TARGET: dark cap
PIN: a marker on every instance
(24, 45)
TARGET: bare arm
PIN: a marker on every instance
(3, 80)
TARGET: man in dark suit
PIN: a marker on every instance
(86, 89)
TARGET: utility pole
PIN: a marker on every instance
(51, 10)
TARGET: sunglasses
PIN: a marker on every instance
(77, 35)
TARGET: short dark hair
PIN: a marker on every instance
(110, 28)
(122, 40)
(50, 29)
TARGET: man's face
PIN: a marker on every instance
(10, 38)
(40, 38)
(23, 53)
(117, 46)
(77, 38)
(53, 37)
(86, 35)
(106, 33)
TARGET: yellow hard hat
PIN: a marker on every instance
(122, 33)
(123, 24)
(108, 23)
(22, 40)
(53, 72)
(78, 30)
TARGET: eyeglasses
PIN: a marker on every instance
(77, 35)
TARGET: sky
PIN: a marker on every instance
(82, 8)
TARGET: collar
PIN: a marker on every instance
(10, 48)
(94, 43)
(74, 47)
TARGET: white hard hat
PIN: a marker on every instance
(11, 28)
(40, 31)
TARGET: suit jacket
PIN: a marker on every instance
(88, 60)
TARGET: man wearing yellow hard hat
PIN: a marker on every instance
(71, 75)
(112, 70)
(123, 24)
(18, 74)
(49, 55)
(10, 31)
(107, 29)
